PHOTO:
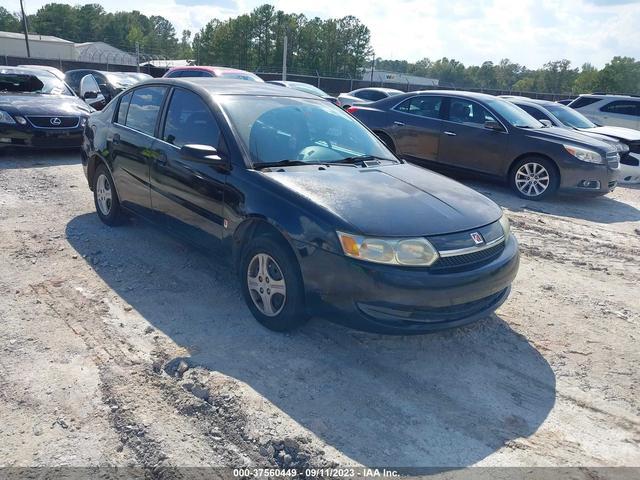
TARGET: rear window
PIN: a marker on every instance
(583, 102)
(622, 107)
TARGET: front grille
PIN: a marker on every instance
(46, 122)
(612, 185)
(613, 159)
(468, 260)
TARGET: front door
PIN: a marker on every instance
(466, 143)
(188, 194)
(415, 127)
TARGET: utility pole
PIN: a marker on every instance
(284, 57)
(138, 57)
(26, 29)
(373, 64)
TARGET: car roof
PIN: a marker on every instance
(605, 96)
(26, 71)
(221, 86)
(208, 68)
(531, 101)
(377, 89)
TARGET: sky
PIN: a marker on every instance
(529, 32)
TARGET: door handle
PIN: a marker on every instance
(116, 139)
(451, 134)
(399, 124)
(161, 160)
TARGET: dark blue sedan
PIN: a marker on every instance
(316, 215)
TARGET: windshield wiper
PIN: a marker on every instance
(363, 159)
(284, 163)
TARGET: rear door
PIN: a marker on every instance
(415, 127)
(466, 143)
(130, 141)
(187, 194)
(621, 113)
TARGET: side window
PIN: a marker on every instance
(122, 109)
(175, 74)
(426, 106)
(468, 112)
(373, 95)
(189, 120)
(144, 107)
(622, 107)
(534, 112)
(583, 102)
(365, 95)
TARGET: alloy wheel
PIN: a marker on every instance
(532, 179)
(103, 194)
(266, 284)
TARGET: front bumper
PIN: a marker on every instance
(579, 177)
(391, 299)
(28, 137)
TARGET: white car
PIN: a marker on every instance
(614, 110)
(366, 95)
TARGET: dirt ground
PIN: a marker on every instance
(126, 347)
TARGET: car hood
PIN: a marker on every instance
(37, 104)
(622, 133)
(557, 133)
(396, 200)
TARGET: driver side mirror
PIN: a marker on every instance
(545, 122)
(493, 125)
(201, 153)
(88, 95)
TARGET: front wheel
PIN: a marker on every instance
(272, 285)
(534, 178)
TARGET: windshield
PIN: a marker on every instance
(305, 87)
(42, 82)
(570, 117)
(275, 129)
(513, 114)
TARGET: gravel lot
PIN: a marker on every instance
(126, 347)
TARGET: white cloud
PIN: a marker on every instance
(526, 31)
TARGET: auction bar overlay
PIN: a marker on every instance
(440, 473)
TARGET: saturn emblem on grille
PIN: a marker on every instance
(55, 121)
(477, 238)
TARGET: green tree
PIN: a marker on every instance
(55, 19)
(587, 80)
(9, 22)
(620, 75)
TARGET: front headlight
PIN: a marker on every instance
(417, 252)
(584, 154)
(622, 147)
(6, 118)
(506, 227)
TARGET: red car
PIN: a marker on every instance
(205, 71)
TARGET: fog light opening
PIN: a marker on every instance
(5, 140)
(592, 184)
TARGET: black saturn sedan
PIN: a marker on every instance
(37, 109)
(317, 215)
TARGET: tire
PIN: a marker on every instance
(386, 139)
(105, 197)
(280, 312)
(534, 178)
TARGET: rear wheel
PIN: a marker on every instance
(105, 197)
(534, 178)
(272, 285)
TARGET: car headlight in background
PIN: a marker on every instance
(417, 252)
(506, 227)
(584, 154)
(622, 147)
(21, 120)
(6, 118)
